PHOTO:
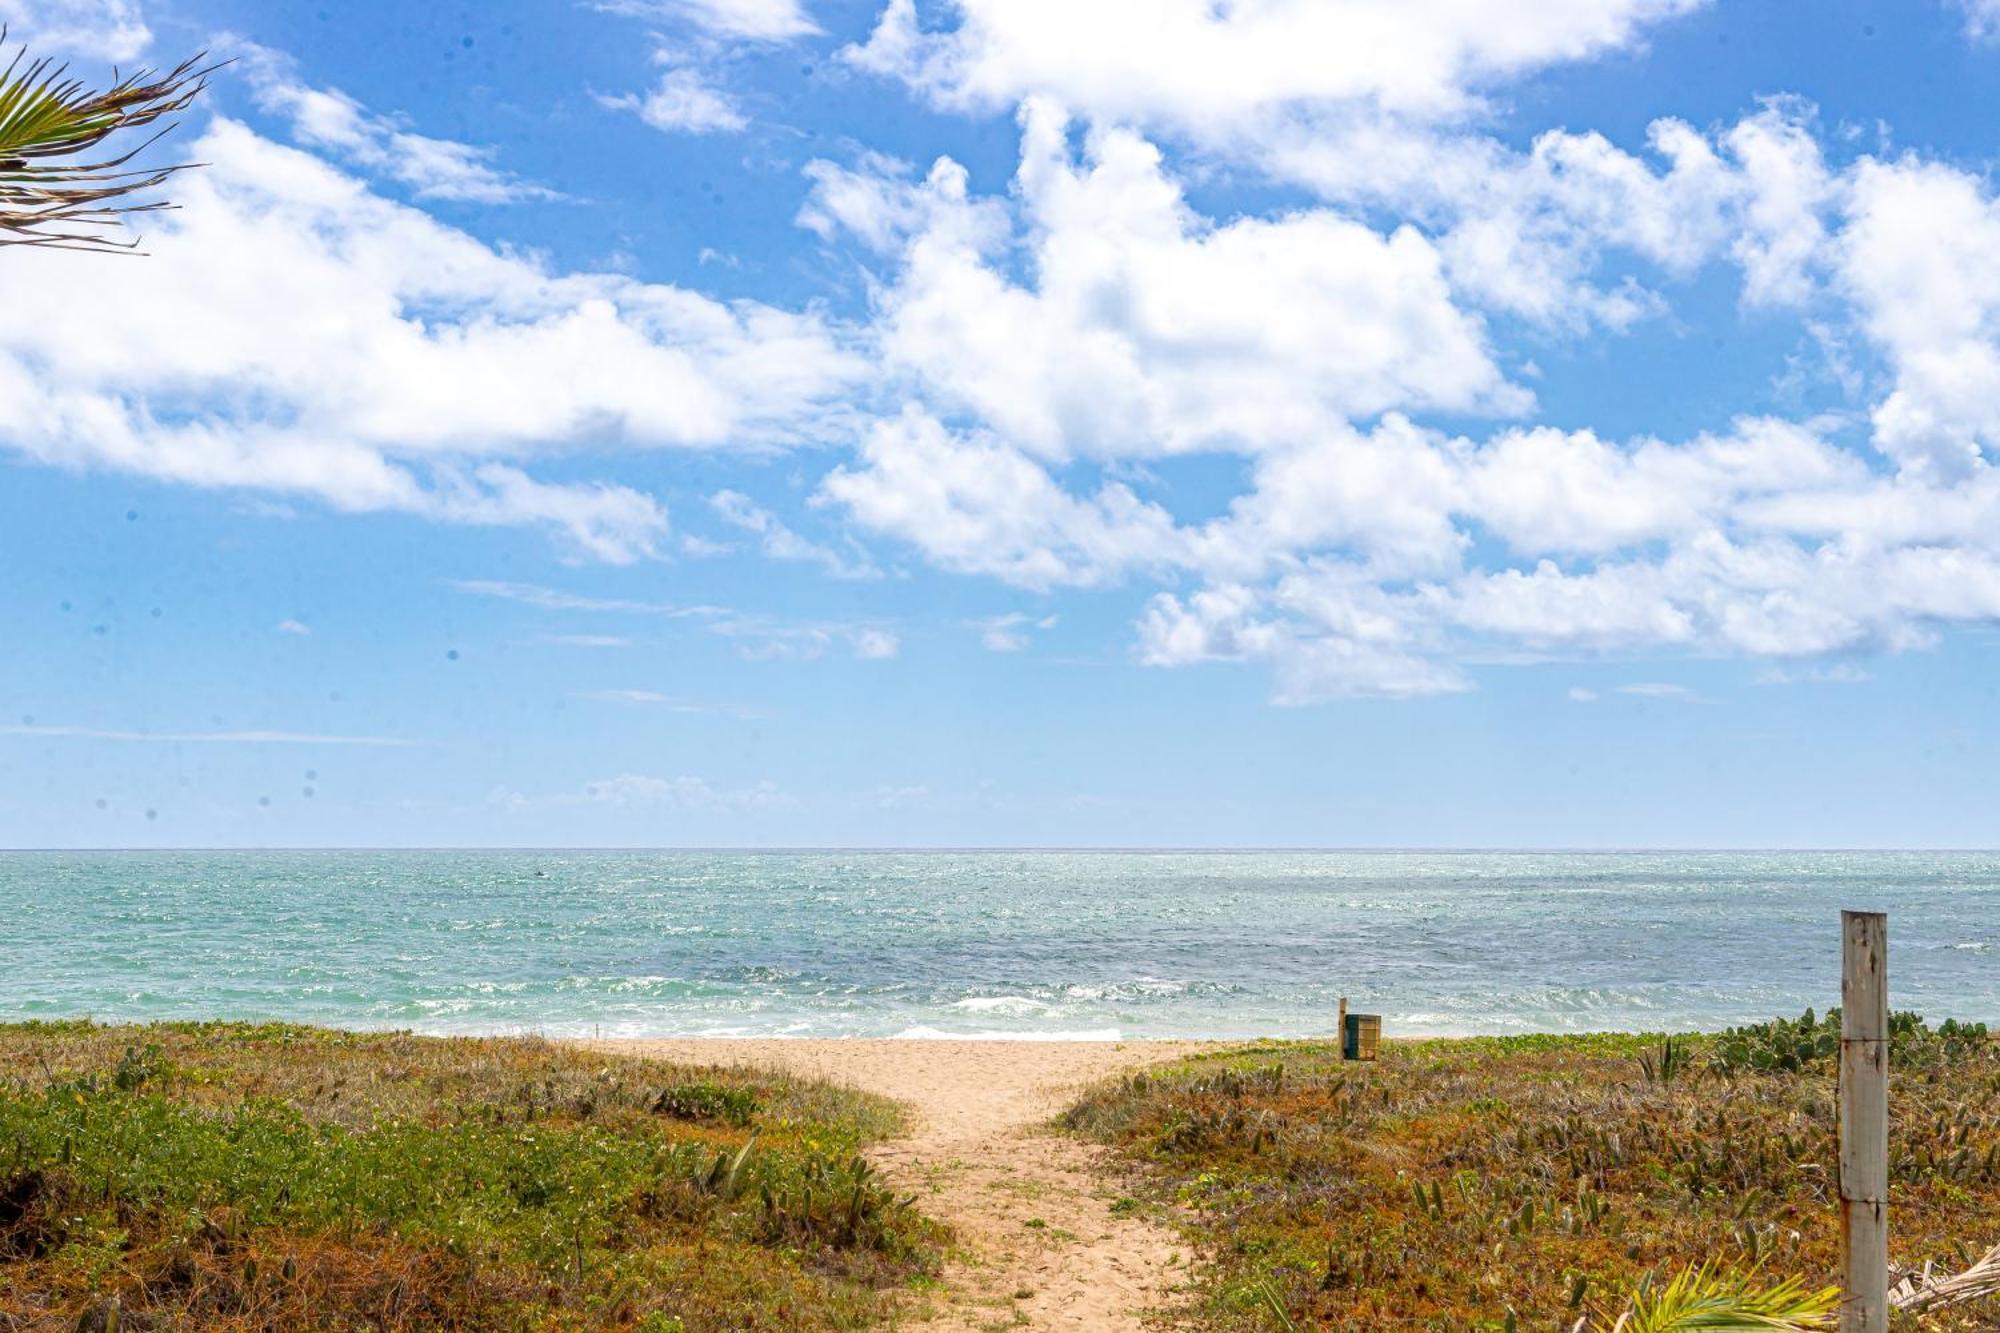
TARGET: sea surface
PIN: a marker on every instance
(1005, 944)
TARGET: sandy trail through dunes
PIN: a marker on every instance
(1040, 1245)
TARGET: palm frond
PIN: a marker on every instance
(47, 116)
(1921, 1292)
(1708, 1298)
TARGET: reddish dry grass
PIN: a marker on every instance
(1454, 1182)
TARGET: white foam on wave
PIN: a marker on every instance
(999, 1004)
(921, 1033)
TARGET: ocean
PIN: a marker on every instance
(1055, 944)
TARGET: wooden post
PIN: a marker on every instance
(1864, 1120)
(1342, 1028)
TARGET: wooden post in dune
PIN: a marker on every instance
(1864, 1121)
(1341, 1028)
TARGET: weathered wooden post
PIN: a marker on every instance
(1864, 1120)
(1342, 1029)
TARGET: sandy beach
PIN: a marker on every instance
(1039, 1242)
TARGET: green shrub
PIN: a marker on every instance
(236, 1178)
(1796, 1045)
(708, 1101)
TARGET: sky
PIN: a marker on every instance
(1442, 423)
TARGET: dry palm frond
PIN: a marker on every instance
(1920, 1292)
(1708, 1298)
(47, 116)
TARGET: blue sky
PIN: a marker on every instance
(992, 422)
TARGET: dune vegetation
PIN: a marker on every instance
(226, 1177)
(1550, 1182)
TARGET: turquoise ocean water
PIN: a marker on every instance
(1048, 944)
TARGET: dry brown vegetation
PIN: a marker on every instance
(231, 1177)
(1457, 1183)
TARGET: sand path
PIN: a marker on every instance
(1040, 1245)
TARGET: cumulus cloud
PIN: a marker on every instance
(110, 30)
(1914, 254)
(1350, 566)
(1529, 232)
(1040, 338)
(976, 505)
(1147, 328)
(682, 101)
(1195, 63)
(1038, 365)
(297, 334)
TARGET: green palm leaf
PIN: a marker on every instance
(1707, 1298)
(47, 196)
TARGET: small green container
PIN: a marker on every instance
(1363, 1038)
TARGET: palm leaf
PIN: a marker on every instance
(1921, 1292)
(50, 197)
(1707, 1298)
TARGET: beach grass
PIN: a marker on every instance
(228, 1176)
(1535, 1182)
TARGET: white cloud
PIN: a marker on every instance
(1040, 366)
(1582, 695)
(1010, 633)
(1916, 257)
(750, 20)
(295, 334)
(1381, 558)
(1194, 63)
(200, 737)
(556, 599)
(624, 696)
(1378, 103)
(876, 645)
(682, 794)
(1352, 650)
(584, 640)
(329, 119)
(1528, 233)
(667, 702)
(757, 637)
(977, 506)
(1982, 19)
(760, 638)
(1833, 673)
(781, 543)
(682, 101)
(1149, 329)
(1656, 690)
(294, 627)
(108, 30)
(1550, 491)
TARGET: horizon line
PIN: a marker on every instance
(1104, 848)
